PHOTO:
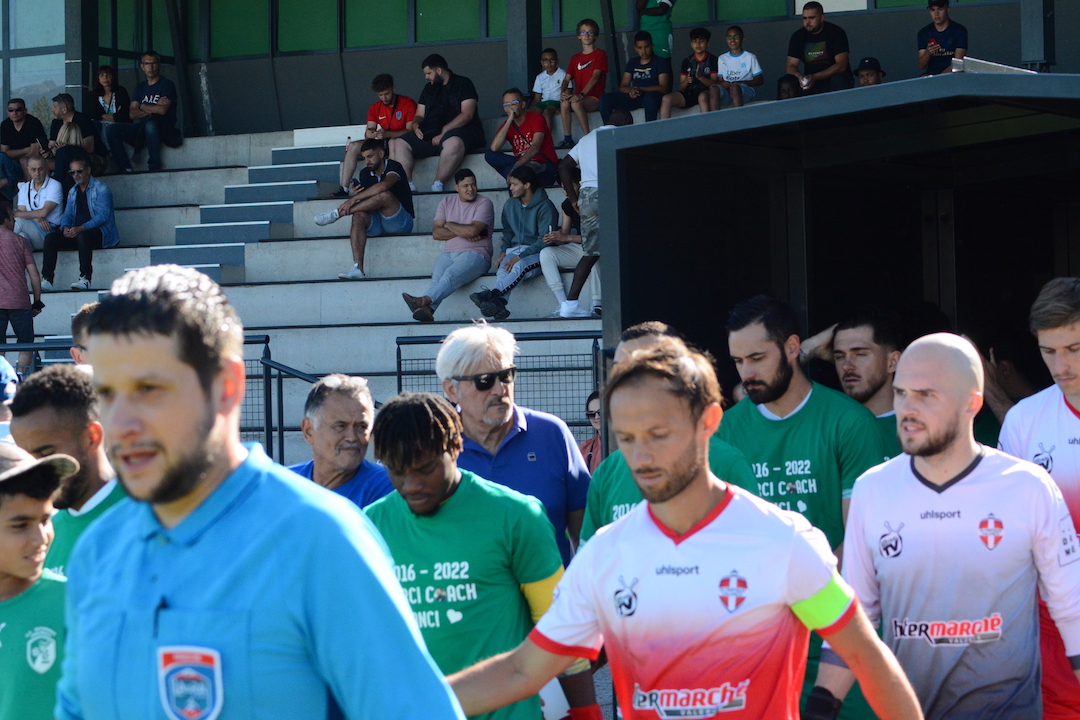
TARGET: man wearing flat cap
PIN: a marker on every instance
(941, 40)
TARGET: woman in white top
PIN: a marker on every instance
(38, 208)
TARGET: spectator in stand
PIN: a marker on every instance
(529, 138)
(338, 416)
(39, 205)
(822, 48)
(447, 123)
(655, 18)
(388, 119)
(78, 333)
(526, 217)
(109, 102)
(22, 136)
(464, 222)
(941, 40)
(644, 82)
(69, 146)
(547, 88)
(788, 87)
(88, 223)
(564, 249)
(696, 76)
(382, 206)
(739, 73)
(153, 114)
(869, 72)
(16, 262)
(587, 73)
(593, 448)
(63, 110)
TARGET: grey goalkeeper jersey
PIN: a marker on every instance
(951, 572)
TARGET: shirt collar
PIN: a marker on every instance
(518, 424)
(95, 499)
(232, 491)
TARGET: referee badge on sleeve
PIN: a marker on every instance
(190, 682)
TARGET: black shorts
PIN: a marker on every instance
(690, 95)
(22, 324)
(472, 137)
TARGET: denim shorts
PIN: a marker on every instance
(399, 223)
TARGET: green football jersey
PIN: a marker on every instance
(890, 441)
(69, 527)
(31, 650)
(462, 570)
(808, 461)
(613, 492)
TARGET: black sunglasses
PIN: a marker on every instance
(590, 414)
(485, 381)
(76, 172)
(18, 109)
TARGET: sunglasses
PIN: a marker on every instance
(18, 109)
(76, 172)
(485, 381)
(590, 414)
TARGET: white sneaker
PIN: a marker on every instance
(412, 186)
(436, 186)
(81, 284)
(327, 217)
(353, 273)
(571, 309)
(47, 286)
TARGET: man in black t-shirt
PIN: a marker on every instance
(447, 123)
(153, 117)
(382, 204)
(822, 48)
(21, 135)
(63, 110)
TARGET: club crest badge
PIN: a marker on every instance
(733, 589)
(1045, 457)
(891, 544)
(991, 531)
(190, 682)
(626, 598)
(41, 649)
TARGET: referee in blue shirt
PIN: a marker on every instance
(226, 586)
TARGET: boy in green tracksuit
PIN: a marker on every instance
(31, 598)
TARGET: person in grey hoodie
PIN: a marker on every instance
(526, 217)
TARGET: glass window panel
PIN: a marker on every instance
(392, 27)
(742, 9)
(239, 27)
(307, 25)
(37, 79)
(162, 34)
(105, 38)
(193, 30)
(438, 20)
(129, 25)
(497, 18)
(690, 11)
(842, 5)
(899, 3)
(573, 11)
(35, 23)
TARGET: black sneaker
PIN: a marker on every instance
(501, 313)
(340, 193)
(565, 144)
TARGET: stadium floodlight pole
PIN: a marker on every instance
(607, 19)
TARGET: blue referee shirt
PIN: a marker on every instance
(268, 598)
(538, 457)
(368, 484)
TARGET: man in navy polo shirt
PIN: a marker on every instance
(337, 425)
(526, 450)
(941, 40)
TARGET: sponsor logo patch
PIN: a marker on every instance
(891, 544)
(190, 682)
(626, 598)
(733, 590)
(41, 649)
(1045, 457)
(692, 702)
(1069, 548)
(991, 531)
(949, 632)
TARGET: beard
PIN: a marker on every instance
(868, 389)
(181, 477)
(761, 392)
(72, 489)
(681, 474)
(504, 414)
(934, 444)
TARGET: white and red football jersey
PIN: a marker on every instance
(952, 570)
(715, 620)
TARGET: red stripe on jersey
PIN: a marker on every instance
(713, 514)
(1069, 405)
(545, 643)
(842, 621)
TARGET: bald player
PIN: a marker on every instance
(946, 544)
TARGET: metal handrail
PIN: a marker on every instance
(282, 371)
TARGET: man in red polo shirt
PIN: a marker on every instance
(387, 120)
(529, 138)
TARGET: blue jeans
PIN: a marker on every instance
(547, 175)
(454, 270)
(527, 267)
(150, 128)
(621, 101)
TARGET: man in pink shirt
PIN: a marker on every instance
(464, 222)
(16, 262)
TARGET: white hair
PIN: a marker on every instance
(470, 346)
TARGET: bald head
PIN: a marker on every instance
(948, 358)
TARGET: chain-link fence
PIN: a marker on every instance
(556, 372)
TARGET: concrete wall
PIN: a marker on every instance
(259, 95)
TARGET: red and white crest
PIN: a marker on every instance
(733, 589)
(991, 531)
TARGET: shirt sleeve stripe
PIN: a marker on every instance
(546, 643)
(828, 608)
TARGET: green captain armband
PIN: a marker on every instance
(829, 609)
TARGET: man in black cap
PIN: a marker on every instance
(869, 72)
(941, 40)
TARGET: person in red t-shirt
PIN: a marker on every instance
(529, 138)
(387, 120)
(587, 72)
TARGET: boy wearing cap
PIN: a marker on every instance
(941, 40)
(31, 598)
(868, 72)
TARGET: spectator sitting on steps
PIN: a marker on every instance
(529, 138)
(153, 115)
(39, 206)
(88, 223)
(388, 119)
(22, 136)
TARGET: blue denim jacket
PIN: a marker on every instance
(99, 200)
